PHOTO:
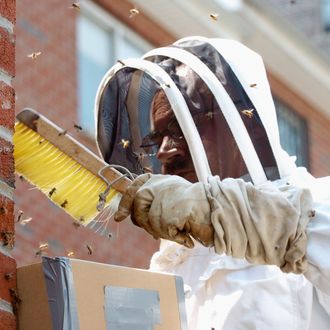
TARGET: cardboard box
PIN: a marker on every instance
(63, 293)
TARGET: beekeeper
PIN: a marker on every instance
(197, 123)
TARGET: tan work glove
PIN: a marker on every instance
(169, 207)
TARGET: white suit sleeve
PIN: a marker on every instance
(276, 225)
(318, 247)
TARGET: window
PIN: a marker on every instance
(101, 41)
(293, 133)
(325, 15)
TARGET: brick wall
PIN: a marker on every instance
(48, 84)
(8, 294)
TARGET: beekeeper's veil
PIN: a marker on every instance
(213, 85)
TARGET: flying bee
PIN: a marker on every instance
(77, 127)
(89, 249)
(311, 213)
(76, 224)
(34, 55)
(52, 191)
(210, 115)
(25, 221)
(64, 204)
(75, 5)
(248, 112)
(63, 132)
(70, 254)
(140, 156)
(19, 217)
(133, 12)
(42, 248)
(253, 85)
(214, 16)
(125, 143)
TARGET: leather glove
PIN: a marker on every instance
(169, 207)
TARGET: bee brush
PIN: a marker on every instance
(68, 173)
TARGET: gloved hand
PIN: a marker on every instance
(169, 207)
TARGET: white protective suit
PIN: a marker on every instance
(223, 292)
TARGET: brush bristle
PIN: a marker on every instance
(63, 180)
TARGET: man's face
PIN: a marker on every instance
(173, 152)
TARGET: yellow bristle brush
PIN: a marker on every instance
(68, 173)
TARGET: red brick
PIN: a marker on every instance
(7, 168)
(7, 321)
(7, 278)
(7, 105)
(7, 51)
(7, 225)
(8, 10)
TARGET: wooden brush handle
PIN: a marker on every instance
(71, 147)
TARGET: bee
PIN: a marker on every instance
(21, 177)
(210, 115)
(76, 224)
(34, 55)
(121, 62)
(64, 204)
(78, 127)
(43, 246)
(133, 12)
(25, 221)
(214, 16)
(311, 213)
(63, 132)
(70, 254)
(75, 5)
(9, 276)
(52, 191)
(19, 217)
(166, 85)
(253, 85)
(248, 112)
(140, 156)
(125, 143)
(89, 249)
(41, 141)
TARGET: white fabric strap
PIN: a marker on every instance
(226, 105)
(177, 103)
(253, 72)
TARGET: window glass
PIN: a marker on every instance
(325, 15)
(99, 46)
(94, 57)
(293, 133)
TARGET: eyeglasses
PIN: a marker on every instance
(155, 139)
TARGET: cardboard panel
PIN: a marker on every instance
(33, 312)
(88, 299)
